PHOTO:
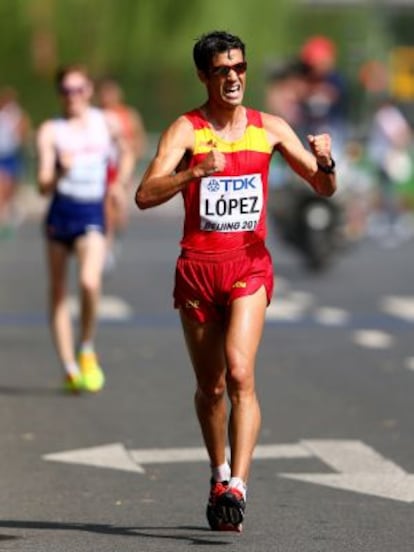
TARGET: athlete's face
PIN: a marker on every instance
(75, 92)
(226, 78)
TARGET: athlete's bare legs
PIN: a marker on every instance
(7, 192)
(90, 251)
(224, 357)
(244, 331)
(60, 320)
(206, 348)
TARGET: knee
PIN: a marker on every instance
(57, 293)
(240, 375)
(209, 393)
(89, 285)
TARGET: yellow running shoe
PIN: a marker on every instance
(73, 383)
(92, 375)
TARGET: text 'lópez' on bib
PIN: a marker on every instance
(231, 203)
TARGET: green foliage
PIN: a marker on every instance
(148, 44)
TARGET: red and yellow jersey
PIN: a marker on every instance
(227, 210)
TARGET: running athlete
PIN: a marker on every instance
(218, 157)
(73, 152)
(15, 129)
(110, 97)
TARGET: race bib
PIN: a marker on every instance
(231, 203)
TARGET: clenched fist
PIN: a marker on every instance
(320, 145)
(213, 162)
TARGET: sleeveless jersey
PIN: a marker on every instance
(88, 148)
(227, 210)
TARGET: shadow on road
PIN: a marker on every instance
(32, 391)
(179, 533)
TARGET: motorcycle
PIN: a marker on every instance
(312, 224)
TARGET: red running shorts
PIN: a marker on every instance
(207, 283)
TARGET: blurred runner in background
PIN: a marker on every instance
(14, 134)
(110, 97)
(73, 154)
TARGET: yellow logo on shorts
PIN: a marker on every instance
(192, 304)
(239, 284)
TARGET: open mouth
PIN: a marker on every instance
(232, 91)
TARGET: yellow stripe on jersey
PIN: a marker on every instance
(254, 139)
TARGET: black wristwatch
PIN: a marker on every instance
(327, 169)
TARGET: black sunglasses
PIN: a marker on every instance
(224, 70)
(71, 90)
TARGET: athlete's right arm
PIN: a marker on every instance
(46, 154)
(161, 180)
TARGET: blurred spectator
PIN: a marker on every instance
(286, 88)
(356, 191)
(389, 147)
(14, 133)
(285, 92)
(310, 93)
(110, 97)
(325, 102)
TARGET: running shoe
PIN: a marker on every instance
(73, 383)
(214, 517)
(217, 488)
(229, 508)
(92, 375)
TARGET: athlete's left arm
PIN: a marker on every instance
(314, 166)
(47, 161)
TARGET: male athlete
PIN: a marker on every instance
(110, 98)
(73, 153)
(218, 157)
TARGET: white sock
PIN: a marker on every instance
(222, 472)
(239, 484)
(72, 369)
(87, 347)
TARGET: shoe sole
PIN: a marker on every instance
(228, 510)
(217, 524)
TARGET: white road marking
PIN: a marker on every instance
(359, 468)
(193, 454)
(166, 456)
(373, 339)
(290, 307)
(110, 308)
(113, 456)
(362, 470)
(351, 457)
(409, 363)
(329, 316)
(399, 306)
(283, 309)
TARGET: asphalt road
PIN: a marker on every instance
(124, 470)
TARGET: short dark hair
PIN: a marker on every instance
(215, 42)
(71, 68)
